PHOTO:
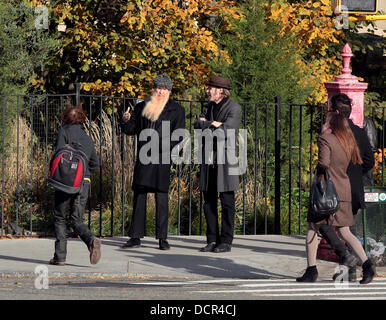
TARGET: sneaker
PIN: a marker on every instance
(95, 251)
(132, 243)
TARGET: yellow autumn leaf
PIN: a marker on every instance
(86, 86)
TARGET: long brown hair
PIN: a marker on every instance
(342, 131)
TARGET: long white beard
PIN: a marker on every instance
(155, 106)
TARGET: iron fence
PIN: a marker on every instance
(273, 196)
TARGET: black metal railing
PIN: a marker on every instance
(281, 152)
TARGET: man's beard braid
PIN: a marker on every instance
(155, 106)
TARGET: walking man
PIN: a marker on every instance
(222, 118)
(159, 116)
(74, 204)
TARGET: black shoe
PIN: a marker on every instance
(132, 243)
(163, 244)
(369, 272)
(310, 275)
(209, 247)
(222, 247)
(352, 274)
(56, 263)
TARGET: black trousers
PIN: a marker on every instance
(138, 219)
(228, 211)
(72, 205)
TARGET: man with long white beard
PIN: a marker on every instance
(153, 122)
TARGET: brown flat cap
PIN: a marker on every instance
(219, 82)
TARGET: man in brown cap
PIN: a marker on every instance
(222, 117)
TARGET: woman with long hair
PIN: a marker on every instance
(337, 147)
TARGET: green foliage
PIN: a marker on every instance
(24, 48)
(368, 60)
(262, 64)
(262, 67)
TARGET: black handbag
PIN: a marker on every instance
(324, 200)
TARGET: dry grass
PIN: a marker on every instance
(117, 173)
(23, 162)
(108, 144)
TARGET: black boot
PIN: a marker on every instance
(345, 257)
(310, 275)
(164, 244)
(348, 260)
(352, 274)
(368, 272)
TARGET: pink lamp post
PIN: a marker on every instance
(348, 84)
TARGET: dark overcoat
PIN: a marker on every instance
(155, 177)
(230, 116)
(356, 172)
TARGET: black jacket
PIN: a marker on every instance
(356, 172)
(371, 132)
(79, 136)
(155, 177)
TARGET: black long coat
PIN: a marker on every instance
(154, 176)
(356, 172)
(230, 116)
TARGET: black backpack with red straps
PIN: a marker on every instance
(68, 167)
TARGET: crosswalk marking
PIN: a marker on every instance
(319, 289)
(329, 294)
(293, 289)
(256, 282)
(281, 288)
(314, 284)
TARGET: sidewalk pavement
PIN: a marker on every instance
(252, 257)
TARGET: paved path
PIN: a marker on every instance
(258, 267)
(259, 256)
